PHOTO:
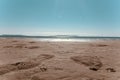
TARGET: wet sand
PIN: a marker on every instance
(24, 59)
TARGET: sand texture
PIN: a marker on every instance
(25, 59)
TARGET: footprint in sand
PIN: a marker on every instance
(25, 65)
(93, 62)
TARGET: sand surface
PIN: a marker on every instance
(24, 59)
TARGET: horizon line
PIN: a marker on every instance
(24, 35)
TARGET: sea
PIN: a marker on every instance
(62, 38)
(90, 39)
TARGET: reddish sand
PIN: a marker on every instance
(24, 59)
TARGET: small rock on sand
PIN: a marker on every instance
(111, 70)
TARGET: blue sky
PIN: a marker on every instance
(53, 17)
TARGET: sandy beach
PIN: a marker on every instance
(24, 59)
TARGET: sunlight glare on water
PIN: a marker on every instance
(65, 40)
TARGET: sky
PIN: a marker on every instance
(60, 17)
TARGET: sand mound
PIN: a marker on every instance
(42, 57)
(15, 46)
(32, 47)
(37, 78)
(102, 45)
(7, 46)
(24, 65)
(14, 41)
(32, 42)
(22, 46)
(93, 62)
(18, 46)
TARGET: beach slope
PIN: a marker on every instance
(25, 59)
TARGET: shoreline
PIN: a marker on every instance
(66, 40)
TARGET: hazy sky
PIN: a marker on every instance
(81, 17)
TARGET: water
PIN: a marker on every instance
(73, 39)
(61, 38)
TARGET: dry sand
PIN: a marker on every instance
(23, 59)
